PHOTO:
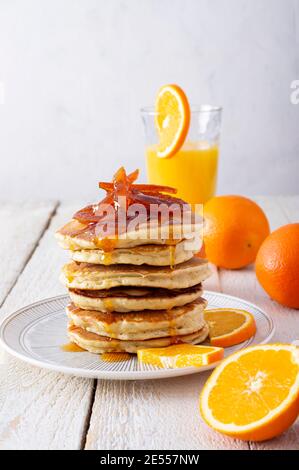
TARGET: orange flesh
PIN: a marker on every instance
(172, 119)
(229, 327)
(180, 355)
(262, 378)
(218, 327)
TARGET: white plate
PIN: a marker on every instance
(36, 333)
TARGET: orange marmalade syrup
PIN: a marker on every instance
(107, 245)
(107, 357)
(72, 347)
(115, 357)
(122, 193)
(108, 304)
(172, 330)
(172, 249)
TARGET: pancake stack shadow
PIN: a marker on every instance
(133, 294)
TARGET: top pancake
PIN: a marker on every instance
(78, 236)
(87, 276)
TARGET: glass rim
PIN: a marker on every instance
(195, 109)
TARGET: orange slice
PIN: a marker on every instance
(172, 119)
(229, 326)
(180, 355)
(254, 393)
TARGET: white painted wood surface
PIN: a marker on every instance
(45, 410)
(41, 409)
(22, 226)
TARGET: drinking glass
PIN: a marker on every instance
(193, 169)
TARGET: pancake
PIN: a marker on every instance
(101, 344)
(94, 277)
(128, 299)
(78, 236)
(146, 324)
(154, 255)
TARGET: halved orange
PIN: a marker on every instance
(229, 326)
(180, 355)
(172, 119)
(254, 393)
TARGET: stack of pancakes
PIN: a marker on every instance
(131, 293)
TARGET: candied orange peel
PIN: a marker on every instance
(123, 184)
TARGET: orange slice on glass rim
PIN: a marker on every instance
(254, 393)
(172, 118)
(229, 326)
(180, 355)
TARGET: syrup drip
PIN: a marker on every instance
(72, 246)
(172, 241)
(72, 347)
(107, 244)
(172, 328)
(172, 256)
(108, 304)
(107, 325)
(172, 331)
(107, 258)
(115, 357)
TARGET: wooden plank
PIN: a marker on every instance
(22, 226)
(156, 414)
(243, 283)
(41, 409)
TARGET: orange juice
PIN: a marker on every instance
(192, 170)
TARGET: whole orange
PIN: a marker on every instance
(277, 265)
(234, 229)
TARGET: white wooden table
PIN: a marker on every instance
(44, 410)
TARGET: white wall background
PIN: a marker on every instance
(76, 72)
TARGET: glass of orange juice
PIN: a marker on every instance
(193, 169)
